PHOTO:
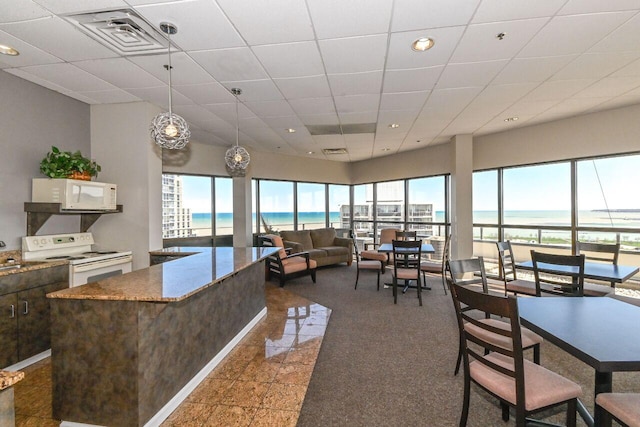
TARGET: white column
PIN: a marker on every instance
(461, 196)
(242, 232)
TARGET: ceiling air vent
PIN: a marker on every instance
(342, 129)
(121, 30)
(330, 151)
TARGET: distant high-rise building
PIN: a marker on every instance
(176, 219)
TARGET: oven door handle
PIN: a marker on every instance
(78, 268)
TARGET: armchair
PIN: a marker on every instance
(286, 265)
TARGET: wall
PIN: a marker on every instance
(120, 139)
(32, 119)
(596, 134)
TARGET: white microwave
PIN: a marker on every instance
(75, 194)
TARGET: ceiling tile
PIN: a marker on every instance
(75, 6)
(35, 79)
(557, 90)
(499, 10)
(230, 64)
(624, 38)
(58, 38)
(532, 69)
(633, 69)
(337, 18)
(401, 55)
(313, 106)
(566, 35)
(201, 24)
(319, 119)
(23, 10)
(304, 87)
(347, 118)
(416, 14)
(111, 96)
(269, 22)
(470, 74)
(69, 77)
(290, 59)
(119, 72)
(256, 90)
(610, 86)
(184, 70)
(278, 108)
(209, 93)
(355, 83)
(403, 101)
(227, 112)
(574, 7)
(595, 65)
(449, 102)
(355, 103)
(417, 79)
(160, 96)
(480, 41)
(354, 54)
(29, 55)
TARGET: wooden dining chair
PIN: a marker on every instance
(370, 252)
(599, 252)
(558, 274)
(501, 370)
(471, 274)
(406, 265)
(406, 235)
(438, 268)
(623, 407)
(509, 274)
(377, 265)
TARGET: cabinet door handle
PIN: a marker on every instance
(13, 311)
(26, 307)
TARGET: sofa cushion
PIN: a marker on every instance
(303, 237)
(323, 237)
(335, 250)
(317, 253)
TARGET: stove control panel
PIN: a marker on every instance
(56, 241)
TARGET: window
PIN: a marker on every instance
(311, 206)
(186, 206)
(276, 205)
(224, 206)
(339, 205)
(426, 205)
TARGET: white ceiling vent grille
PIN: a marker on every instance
(121, 30)
(330, 151)
(348, 129)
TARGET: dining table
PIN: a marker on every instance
(425, 248)
(606, 272)
(600, 332)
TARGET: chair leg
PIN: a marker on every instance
(419, 286)
(357, 276)
(444, 284)
(378, 280)
(459, 361)
(536, 354)
(395, 290)
(465, 401)
(505, 410)
(313, 275)
(572, 408)
(282, 280)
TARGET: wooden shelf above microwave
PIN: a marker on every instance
(39, 213)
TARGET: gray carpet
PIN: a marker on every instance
(382, 364)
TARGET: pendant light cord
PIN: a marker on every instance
(237, 122)
(169, 39)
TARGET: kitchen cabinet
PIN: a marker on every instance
(25, 326)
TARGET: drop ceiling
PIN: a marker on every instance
(344, 64)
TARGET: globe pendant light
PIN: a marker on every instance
(169, 130)
(237, 158)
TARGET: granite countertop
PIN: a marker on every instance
(24, 265)
(173, 280)
(179, 251)
(9, 378)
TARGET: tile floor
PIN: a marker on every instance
(262, 382)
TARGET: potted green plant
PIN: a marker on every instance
(65, 164)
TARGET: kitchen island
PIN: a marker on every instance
(128, 349)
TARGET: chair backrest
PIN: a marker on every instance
(355, 245)
(558, 274)
(406, 254)
(507, 262)
(466, 302)
(272, 240)
(387, 235)
(406, 235)
(601, 252)
(469, 272)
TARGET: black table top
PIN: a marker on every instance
(592, 270)
(388, 247)
(602, 332)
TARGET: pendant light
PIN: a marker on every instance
(169, 130)
(237, 158)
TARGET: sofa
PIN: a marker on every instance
(323, 245)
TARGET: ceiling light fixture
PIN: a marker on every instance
(394, 126)
(511, 119)
(169, 130)
(8, 50)
(385, 149)
(290, 130)
(500, 36)
(422, 44)
(310, 152)
(237, 158)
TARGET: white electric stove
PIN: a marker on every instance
(87, 262)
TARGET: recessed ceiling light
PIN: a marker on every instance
(310, 152)
(511, 119)
(422, 44)
(290, 130)
(385, 149)
(8, 50)
(394, 125)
